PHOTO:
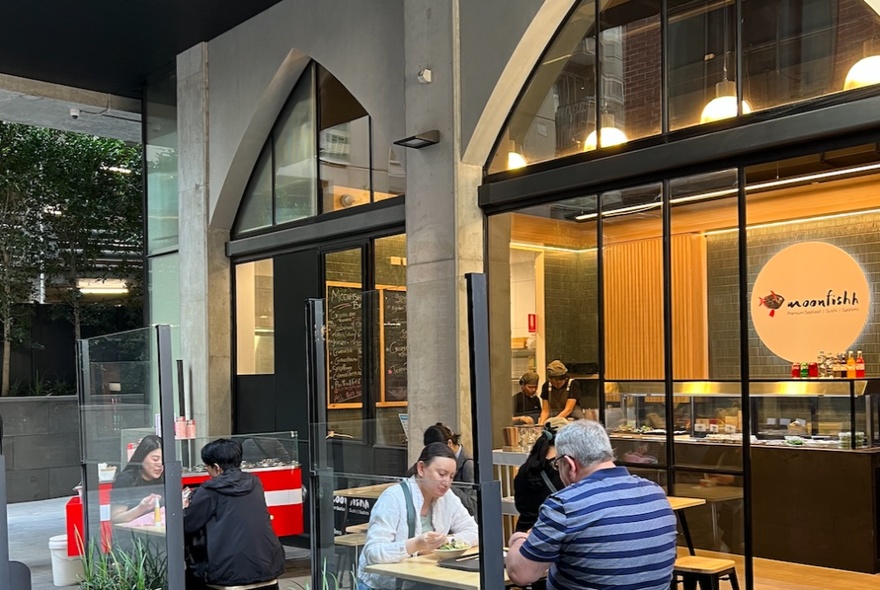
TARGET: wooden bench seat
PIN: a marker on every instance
(707, 572)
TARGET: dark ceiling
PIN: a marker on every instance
(109, 45)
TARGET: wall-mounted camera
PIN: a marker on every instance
(74, 113)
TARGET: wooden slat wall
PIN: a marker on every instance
(634, 309)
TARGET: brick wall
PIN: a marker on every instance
(859, 236)
(641, 77)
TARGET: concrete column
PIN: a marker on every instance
(205, 317)
(444, 225)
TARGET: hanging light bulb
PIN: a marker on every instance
(514, 158)
(611, 135)
(866, 71)
(723, 106)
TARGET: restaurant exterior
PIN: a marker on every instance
(678, 256)
(708, 273)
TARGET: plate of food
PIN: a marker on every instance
(451, 548)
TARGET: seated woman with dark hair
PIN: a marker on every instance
(414, 517)
(140, 485)
(239, 547)
(537, 478)
(464, 463)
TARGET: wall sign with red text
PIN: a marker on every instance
(810, 297)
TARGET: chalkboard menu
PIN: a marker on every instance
(394, 348)
(344, 345)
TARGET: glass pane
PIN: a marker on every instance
(702, 62)
(390, 269)
(160, 129)
(811, 227)
(256, 203)
(255, 318)
(799, 50)
(543, 307)
(344, 145)
(558, 109)
(294, 144)
(705, 276)
(633, 283)
(389, 169)
(346, 367)
(631, 76)
(164, 289)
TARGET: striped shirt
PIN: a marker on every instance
(611, 530)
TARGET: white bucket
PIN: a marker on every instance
(66, 571)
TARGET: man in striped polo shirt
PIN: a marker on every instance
(606, 529)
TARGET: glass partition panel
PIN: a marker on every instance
(359, 524)
(255, 211)
(125, 485)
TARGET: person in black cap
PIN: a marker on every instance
(561, 395)
(526, 403)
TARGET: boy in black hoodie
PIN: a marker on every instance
(239, 547)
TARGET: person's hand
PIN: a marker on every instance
(429, 541)
(527, 420)
(149, 502)
(185, 496)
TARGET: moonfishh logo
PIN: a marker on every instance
(825, 304)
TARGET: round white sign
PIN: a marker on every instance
(810, 297)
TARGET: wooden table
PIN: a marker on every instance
(371, 492)
(425, 569)
(713, 496)
(678, 504)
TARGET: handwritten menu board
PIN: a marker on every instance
(344, 345)
(394, 347)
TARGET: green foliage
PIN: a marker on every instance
(43, 386)
(329, 581)
(139, 568)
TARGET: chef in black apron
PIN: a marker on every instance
(560, 396)
(526, 403)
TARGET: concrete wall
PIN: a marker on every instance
(41, 445)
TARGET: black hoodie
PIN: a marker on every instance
(241, 546)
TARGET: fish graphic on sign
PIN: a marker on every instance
(773, 301)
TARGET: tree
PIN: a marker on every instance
(21, 151)
(94, 216)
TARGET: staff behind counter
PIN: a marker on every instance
(561, 395)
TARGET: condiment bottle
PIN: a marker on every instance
(805, 370)
(860, 365)
(850, 366)
(813, 370)
(795, 370)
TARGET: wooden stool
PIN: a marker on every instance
(705, 571)
(270, 583)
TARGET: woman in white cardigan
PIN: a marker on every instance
(415, 517)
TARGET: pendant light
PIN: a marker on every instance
(514, 158)
(611, 135)
(724, 105)
(866, 71)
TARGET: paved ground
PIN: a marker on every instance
(32, 523)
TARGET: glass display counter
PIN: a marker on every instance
(818, 413)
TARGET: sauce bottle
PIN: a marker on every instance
(795, 370)
(860, 365)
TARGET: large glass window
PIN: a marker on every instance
(160, 111)
(294, 151)
(320, 157)
(790, 51)
(255, 318)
